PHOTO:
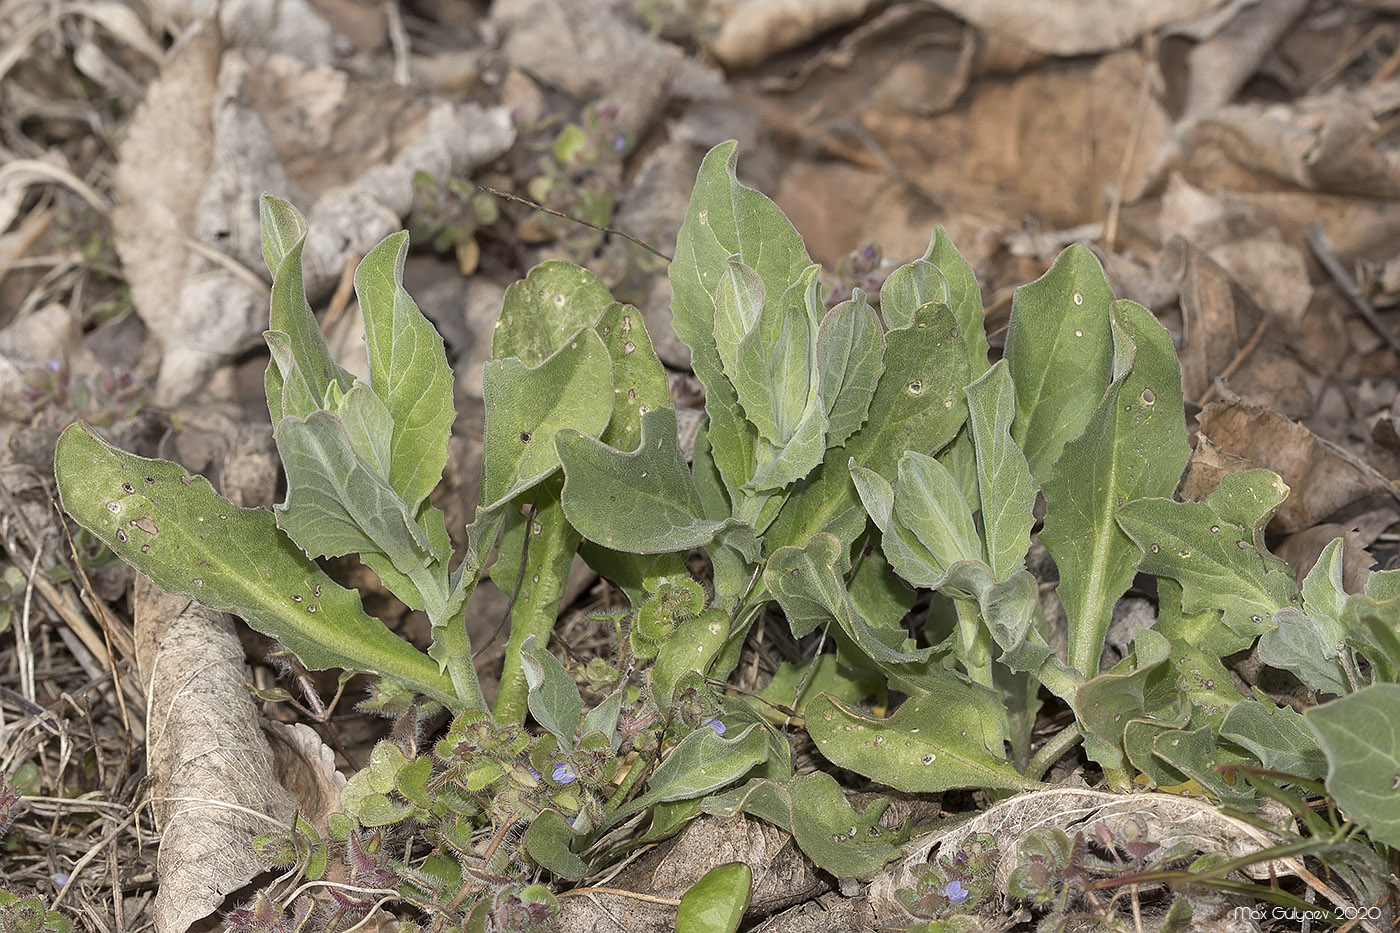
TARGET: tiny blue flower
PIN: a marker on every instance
(534, 772)
(955, 892)
(620, 142)
(564, 772)
(714, 724)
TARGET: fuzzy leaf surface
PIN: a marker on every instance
(526, 407)
(931, 743)
(191, 541)
(408, 371)
(1133, 447)
(1059, 348)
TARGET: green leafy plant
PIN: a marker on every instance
(853, 451)
(30, 915)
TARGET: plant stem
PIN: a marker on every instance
(976, 642)
(1053, 750)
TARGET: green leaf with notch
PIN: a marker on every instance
(1133, 447)
(526, 407)
(1059, 348)
(812, 807)
(1360, 735)
(1215, 550)
(408, 371)
(641, 501)
(932, 743)
(191, 541)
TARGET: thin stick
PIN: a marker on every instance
(1240, 357)
(649, 898)
(507, 196)
(1110, 230)
(1322, 248)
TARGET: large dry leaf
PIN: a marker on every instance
(1224, 330)
(269, 123)
(751, 32)
(212, 785)
(1078, 28)
(1322, 478)
(1169, 820)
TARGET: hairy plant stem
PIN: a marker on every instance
(1053, 750)
(976, 642)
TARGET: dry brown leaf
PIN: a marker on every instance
(1169, 819)
(212, 785)
(1231, 46)
(781, 876)
(1253, 252)
(1322, 477)
(1078, 28)
(1301, 550)
(754, 30)
(1224, 331)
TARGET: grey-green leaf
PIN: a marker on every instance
(554, 698)
(1003, 479)
(336, 503)
(1215, 550)
(1361, 739)
(1133, 447)
(407, 369)
(542, 311)
(189, 540)
(850, 354)
(642, 501)
(1059, 348)
(526, 406)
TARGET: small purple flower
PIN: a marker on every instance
(564, 772)
(955, 892)
(714, 724)
(619, 142)
(534, 772)
(54, 365)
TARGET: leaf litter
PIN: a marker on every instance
(1191, 144)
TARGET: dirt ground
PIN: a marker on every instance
(1235, 165)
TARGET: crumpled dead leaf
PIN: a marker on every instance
(211, 768)
(1078, 28)
(1169, 820)
(782, 876)
(752, 31)
(1322, 477)
(192, 250)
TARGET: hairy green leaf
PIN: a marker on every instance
(408, 371)
(842, 841)
(918, 405)
(526, 406)
(543, 310)
(547, 840)
(850, 351)
(1133, 447)
(703, 761)
(641, 501)
(191, 541)
(1215, 550)
(1059, 348)
(727, 219)
(1276, 735)
(932, 743)
(1003, 479)
(1360, 735)
(554, 698)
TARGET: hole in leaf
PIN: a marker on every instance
(524, 437)
(1149, 397)
(128, 488)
